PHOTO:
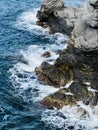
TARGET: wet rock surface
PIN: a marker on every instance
(78, 62)
(46, 54)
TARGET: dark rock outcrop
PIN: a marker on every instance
(78, 63)
(57, 17)
(69, 96)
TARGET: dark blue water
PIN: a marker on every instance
(17, 111)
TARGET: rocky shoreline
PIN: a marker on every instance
(77, 65)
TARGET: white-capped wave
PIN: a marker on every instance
(82, 117)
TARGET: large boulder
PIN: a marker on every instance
(57, 75)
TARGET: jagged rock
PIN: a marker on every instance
(56, 75)
(72, 65)
(44, 25)
(42, 74)
(46, 54)
(58, 100)
(79, 62)
(42, 67)
(58, 17)
(49, 6)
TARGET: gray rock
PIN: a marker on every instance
(85, 33)
(68, 14)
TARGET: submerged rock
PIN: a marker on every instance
(79, 62)
(46, 54)
(58, 100)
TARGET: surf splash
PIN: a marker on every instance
(22, 74)
(82, 117)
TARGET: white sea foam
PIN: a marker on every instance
(27, 21)
(22, 74)
(69, 94)
(82, 117)
(92, 90)
(67, 85)
(87, 83)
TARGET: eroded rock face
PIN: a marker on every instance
(85, 34)
(72, 65)
(49, 6)
(58, 17)
(79, 62)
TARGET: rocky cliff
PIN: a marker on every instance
(57, 17)
(78, 64)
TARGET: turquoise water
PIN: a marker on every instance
(21, 44)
